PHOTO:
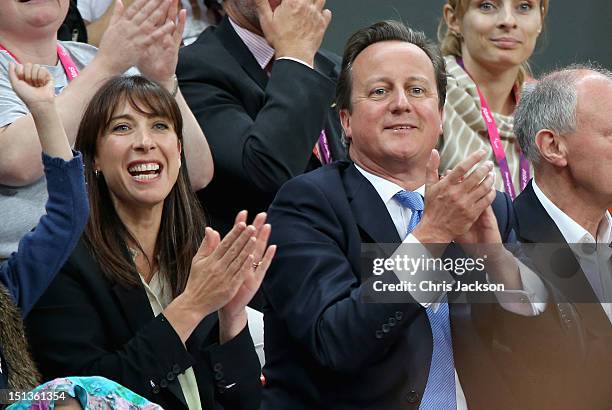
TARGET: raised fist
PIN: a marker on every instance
(32, 83)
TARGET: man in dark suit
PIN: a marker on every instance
(325, 347)
(264, 97)
(563, 124)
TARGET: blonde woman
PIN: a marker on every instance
(486, 44)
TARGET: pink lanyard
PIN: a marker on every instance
(498, 149)
(70, 68)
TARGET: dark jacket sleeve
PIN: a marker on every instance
(237, 372)
(42, 252)
(69, 336)
(314, 286)
(71, 332)
(263, 139)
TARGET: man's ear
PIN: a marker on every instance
(451, 19)
(552, 147)
(345, 120)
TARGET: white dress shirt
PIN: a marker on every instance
(596, 265)
(523, 302)
(401, 216)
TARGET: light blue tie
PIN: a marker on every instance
(440, 391)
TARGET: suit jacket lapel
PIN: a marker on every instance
(534, 223)
(536, 226)
(370, 212)
(138, 312)
(236, 47)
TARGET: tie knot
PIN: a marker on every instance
(410, 200)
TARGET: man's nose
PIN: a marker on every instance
(400, 101)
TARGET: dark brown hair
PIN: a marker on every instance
(182, 225)
(388, 30)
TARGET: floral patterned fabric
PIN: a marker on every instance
(93, 393)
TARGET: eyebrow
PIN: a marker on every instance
(418, 78)
(131, 118)
(121, 117)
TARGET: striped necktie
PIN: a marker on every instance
(440, 391)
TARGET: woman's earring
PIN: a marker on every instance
(97, 173)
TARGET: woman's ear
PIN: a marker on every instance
(552, 147)
(452, 20)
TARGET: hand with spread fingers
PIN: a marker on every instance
(295, 28)
(223, 278)
(132, 30)
(158, 62)
(455, 202)
(232, 316)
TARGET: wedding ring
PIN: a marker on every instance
(256, 264)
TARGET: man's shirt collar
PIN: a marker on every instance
(572, 231)
(257, 45)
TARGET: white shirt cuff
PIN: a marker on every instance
(531, 300)
(421, 251)
(297, 60)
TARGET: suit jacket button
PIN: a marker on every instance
(379, 334)
(392, 321)
(399, 315)
(171, 376)
(176, 369)
(412, 397)
(218, 376)
(163, 383)
(386, 328)
(218, 367)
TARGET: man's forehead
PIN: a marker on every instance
(392, 58)
(594, 93)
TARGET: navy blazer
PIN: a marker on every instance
(565, 354)
(261, 130)
(324, 347)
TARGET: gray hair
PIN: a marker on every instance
(550, 104)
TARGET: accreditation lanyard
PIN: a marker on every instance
(67, 62)
(321, 149)
(498, 149)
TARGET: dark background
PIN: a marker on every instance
(574, 31)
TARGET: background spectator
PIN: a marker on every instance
(42, 252)
(487, 45)
(561, 124)
(200, 14)
(265, 100)
(146, 35)
(73, 27)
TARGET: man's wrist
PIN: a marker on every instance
(427, 235)
(306, 57)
